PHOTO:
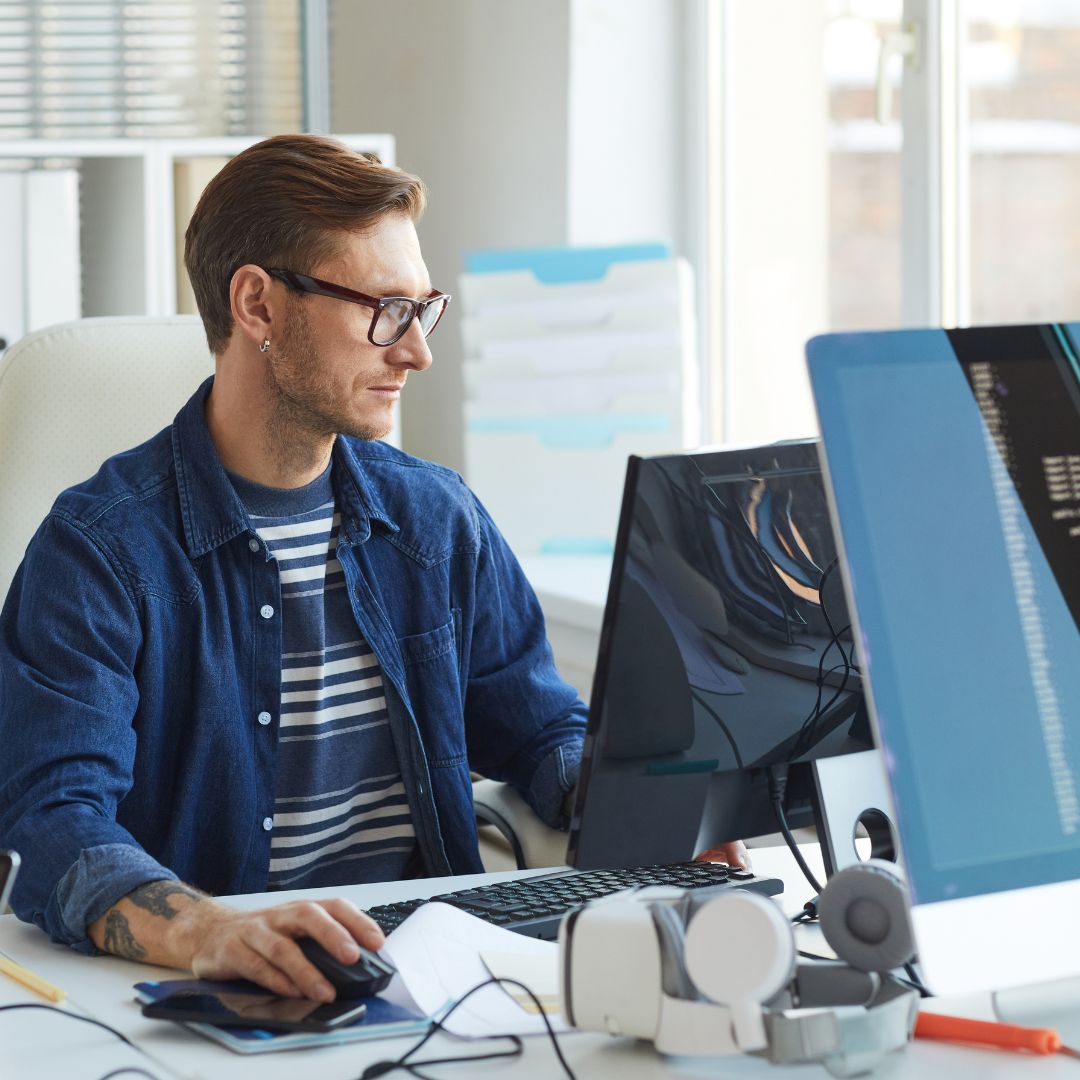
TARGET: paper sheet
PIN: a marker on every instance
(438, 952)
(539, 973)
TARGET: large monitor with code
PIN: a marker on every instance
(954, 464)
(726, 655)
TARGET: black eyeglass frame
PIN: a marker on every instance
(307, 284)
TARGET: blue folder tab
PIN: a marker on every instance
(571, 433)
(554, 265)
(577, 545)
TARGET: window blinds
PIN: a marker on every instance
(156, 68)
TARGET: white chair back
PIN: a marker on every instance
(73, 395)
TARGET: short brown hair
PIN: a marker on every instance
(285, 202)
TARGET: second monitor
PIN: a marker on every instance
(726, 659)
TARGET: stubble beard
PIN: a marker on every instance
(304, 404)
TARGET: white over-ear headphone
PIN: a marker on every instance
(756, 961)
(715, 971)
(866, 916)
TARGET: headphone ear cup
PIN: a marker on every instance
(670, 933)
(865, 916)
(740, 948)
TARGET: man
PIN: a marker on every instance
(263, 649)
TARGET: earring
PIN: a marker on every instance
(265, 346)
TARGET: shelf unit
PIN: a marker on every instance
(128, 221)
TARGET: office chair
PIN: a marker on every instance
(515, 836)
(73, 395)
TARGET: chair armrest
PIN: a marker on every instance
(532, 842)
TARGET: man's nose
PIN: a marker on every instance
(411, 350)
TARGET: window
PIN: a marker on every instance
(1018, 65)
(882, 163)
(71, 69)
(808, 194)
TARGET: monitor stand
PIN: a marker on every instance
(1051, 1004)
(848, 791)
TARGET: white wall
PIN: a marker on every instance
(625, 122)
(531, 123)
(777, 220)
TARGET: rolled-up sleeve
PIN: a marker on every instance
(70, 638)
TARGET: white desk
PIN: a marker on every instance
(39, 1046)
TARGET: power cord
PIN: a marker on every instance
(133, 1070)
(382, 1068)
(809, 912)
(777, 788)
(914, 981)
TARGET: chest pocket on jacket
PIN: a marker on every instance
(433, 676)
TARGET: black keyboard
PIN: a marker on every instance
(535, 906)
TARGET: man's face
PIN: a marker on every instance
(323, 375)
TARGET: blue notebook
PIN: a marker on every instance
(382, 1020)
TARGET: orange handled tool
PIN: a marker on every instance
(1007, 1036)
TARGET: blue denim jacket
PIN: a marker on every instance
(141, 640)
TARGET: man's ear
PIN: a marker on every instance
(251, 303)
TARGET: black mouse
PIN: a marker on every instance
(371, 974)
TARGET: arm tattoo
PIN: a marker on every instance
(154, 897)
(119, 940)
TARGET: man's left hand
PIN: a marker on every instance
(733, 853)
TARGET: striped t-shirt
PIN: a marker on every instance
(340, 811)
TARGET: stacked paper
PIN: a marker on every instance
(575, 359)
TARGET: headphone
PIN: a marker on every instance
(716, 971)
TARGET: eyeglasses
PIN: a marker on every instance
(393, 314)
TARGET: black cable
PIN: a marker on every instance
(97, 1023)
(805, 738)
(723, 727)
(848, 669)
(850, 666)
(74, 1016)
(777, 787)
(382, 1068)
(915, 981)
(825, 611)
(802, 738)
(809, 913)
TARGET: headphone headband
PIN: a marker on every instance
(713, 972)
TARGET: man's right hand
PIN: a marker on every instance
(169, 923)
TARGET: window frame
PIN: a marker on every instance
(935, 231)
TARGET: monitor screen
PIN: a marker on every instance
(726, 648)
(954, 459)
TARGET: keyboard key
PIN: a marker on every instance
(535, 906)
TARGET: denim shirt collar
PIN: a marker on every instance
(212, 511)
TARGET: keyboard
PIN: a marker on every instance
(535, 906)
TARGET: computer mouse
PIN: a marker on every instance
(371, 974)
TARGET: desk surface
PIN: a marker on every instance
(572, 588)
(41, 1046)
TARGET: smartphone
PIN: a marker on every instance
(235, 1009)
(9, 867)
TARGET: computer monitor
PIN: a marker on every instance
(954, 459)
(726, 651)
